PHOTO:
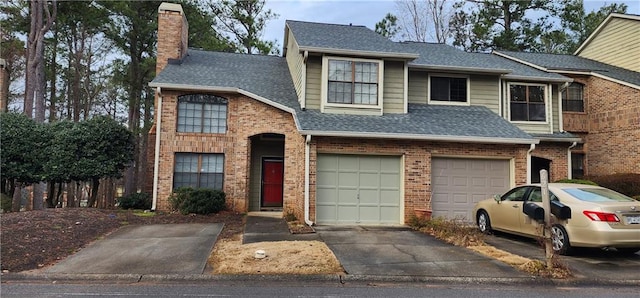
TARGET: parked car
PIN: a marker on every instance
(599, 217)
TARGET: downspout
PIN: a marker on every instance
(561, 117)
(156, 158)
(307, 149)
(533, 146)
(569, 172)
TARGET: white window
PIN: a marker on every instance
(202, 113)
(527, 102)
(355, 82)
(198, 170)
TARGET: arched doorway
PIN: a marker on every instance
(266, 172)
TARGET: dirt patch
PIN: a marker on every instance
(230, 256)
(36, 239)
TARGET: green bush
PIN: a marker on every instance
(625, 183)
(5, 202)
(140, 200)
(577, 181)
(200, 200)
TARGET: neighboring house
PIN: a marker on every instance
(349, 127)
(602, 104)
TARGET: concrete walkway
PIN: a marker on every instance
(270, 226)
(403, 252)
(150, 249)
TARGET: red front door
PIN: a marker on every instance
(272, 175)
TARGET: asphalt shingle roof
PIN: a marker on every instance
(574, 63)
(265, 76)
(423, 120)
(342, 37)
(441, 55)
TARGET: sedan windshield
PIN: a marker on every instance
(597, 195)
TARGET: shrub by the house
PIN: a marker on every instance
(140, 200)
(199, 200)
(624, 183)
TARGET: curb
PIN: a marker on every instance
(134, 278)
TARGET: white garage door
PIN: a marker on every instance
(457, 184)
(358, 189)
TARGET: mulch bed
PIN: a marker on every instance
(35, 239)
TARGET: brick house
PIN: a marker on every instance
(602, 104)
(348, 127)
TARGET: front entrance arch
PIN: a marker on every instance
(266, 172)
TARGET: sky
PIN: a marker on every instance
(361, 12)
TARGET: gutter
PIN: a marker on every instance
(223, 89)
(348, 52)
(307, 149)
(156, 155)
(460, 68)
(533, 146)
(485, 140)
(569, 174)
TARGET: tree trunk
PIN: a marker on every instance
(95, 184)
(17, 197)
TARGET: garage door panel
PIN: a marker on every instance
(367, 188)
(459, 183)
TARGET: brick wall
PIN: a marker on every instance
(245, 118)
(4, 86)
(612, 141)
(417, 162)
(558, 154)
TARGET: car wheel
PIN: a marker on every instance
(628, 250)
(560, 240)
(484, 223)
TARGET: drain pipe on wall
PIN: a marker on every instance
(533, 146)
(156, 155)
(569, 161)
(307, 148)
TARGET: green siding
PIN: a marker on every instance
(418, 86)
(484, 91)
(393, 88)
(617, 44)
(295, 61)
(314, 79)
(555, 112)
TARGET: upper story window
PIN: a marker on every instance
(448, 89)
(527, 102)
(202, 113)
(349, 82)
(573, 98)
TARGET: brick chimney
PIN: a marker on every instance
(173, 34)
(4, 86)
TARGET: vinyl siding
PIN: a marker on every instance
(393, 94)
(418, 86)
(618, 43)
(555, 112)
(485, 92)
(314, 77)
(295, 61)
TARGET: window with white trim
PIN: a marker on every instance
(353, 82)
(573, 98)
(198, 170)
(202, 113)
(448, 89)
(527, 102)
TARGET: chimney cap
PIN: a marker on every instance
(165, 6)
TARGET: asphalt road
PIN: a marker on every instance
(307, 289)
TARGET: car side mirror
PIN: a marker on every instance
(497, 198)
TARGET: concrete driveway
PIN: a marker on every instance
(404, 252)
(149, 249)
(584, 263)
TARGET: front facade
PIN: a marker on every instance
(351, 130)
